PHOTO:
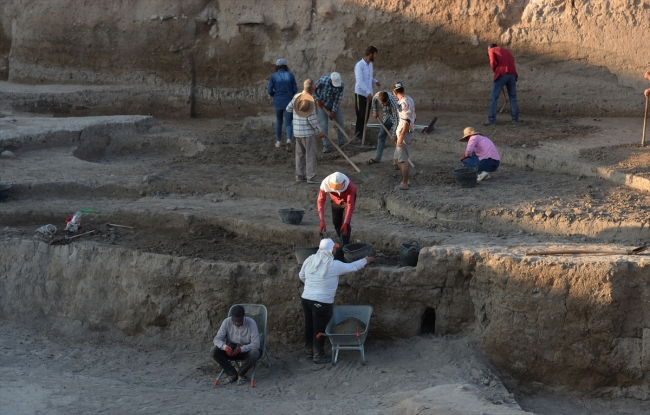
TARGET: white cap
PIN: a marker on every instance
(336, 79)
(281, 62)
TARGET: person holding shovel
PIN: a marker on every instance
(343, 196)
(390, 119)
(329, 94)
(320, 273)
(404, 133)
(363, 88)
(505, 74)
(480, 153)
(305, 128)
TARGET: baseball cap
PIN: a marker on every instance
(280, 62)
(398, 85)
(237, 314)
(336, 79)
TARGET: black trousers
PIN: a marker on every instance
(338, 215)
(360, 103)
(317, 315)
(223, 359)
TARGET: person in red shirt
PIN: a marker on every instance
(505, 74)
(343, 195)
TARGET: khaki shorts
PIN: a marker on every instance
(402, 153)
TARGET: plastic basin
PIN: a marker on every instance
(291, 216)
(354, 252)
(466, 176)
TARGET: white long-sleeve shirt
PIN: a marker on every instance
(323, 289)
(363, 78)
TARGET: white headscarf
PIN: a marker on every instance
(319, 263)
(335, 178)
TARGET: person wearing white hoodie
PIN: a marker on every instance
(320, 273)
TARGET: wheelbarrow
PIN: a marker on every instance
(348, 341)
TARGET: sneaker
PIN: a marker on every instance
(326, 150)
(278, 144)
(322, 359)
(301, 179)
(288, 145)
(483, 176)
(314, 180)
(489, 123)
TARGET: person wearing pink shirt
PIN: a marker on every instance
(343, 195)
(480, 153)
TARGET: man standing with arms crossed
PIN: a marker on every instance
(363, 88)
(329, 94)
(404, 133)
(505, 74)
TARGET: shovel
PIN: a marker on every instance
(410, 162)
(365, 124)
(505, 103)
(342, 130)
(363, 176)
(590, 252)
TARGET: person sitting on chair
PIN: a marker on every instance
(237, 339)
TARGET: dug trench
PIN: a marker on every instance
(207, 235)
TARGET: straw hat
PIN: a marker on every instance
(304, 105)
(467, 133)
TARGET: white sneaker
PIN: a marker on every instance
(278, 144)
(483, 176)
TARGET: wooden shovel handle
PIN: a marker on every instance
(343, 154)
(645, 120)
(365, 122)
(388, 132)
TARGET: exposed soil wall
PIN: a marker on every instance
(580, 323)
(573, 56)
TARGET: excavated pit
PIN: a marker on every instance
(207, 235)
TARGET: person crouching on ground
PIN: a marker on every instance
(480, 153)
(320, 273)
(343, 196)
(305, 126)
(237, 339)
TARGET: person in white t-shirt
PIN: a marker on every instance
(320, 273)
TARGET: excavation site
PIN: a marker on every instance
(143, 194)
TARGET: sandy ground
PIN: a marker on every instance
(44, 370)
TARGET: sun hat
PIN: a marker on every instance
(304, 105)
(468, 132)
(335, 77)
(281, 62)
(237, 314)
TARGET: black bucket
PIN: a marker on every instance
(5, 192)
(291, 216)
(354, 252)
(304, 253)
(408, 254)
(466, 176)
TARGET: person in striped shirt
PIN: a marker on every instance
(329, 94)
(390, 119)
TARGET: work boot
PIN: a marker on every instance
(322, 359)
(487, 123)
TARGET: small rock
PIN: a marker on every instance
(214, 31)
(7, 155)
(154, 17)
(167, 17)
(173, 48)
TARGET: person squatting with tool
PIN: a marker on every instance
(282, 87)
(343, 196)
(320, 273)
(329, 94)
(505, 74)
(404, 133)
(480, 153)
(305, 126)
(363, 88)
(237, 339)
(390, 119)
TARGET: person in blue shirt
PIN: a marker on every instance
(282, 87)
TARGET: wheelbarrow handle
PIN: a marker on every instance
(319, 335)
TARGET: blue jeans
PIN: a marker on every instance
(381, 139)
(323, 120)
(488, 165)
(507, 80)
(288, 119)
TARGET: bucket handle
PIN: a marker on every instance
(415, 246)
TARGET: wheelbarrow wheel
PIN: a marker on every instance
(363, 357)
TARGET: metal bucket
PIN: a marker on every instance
(409, 253)
(354, 252)
(466, 176)
(304, 253)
